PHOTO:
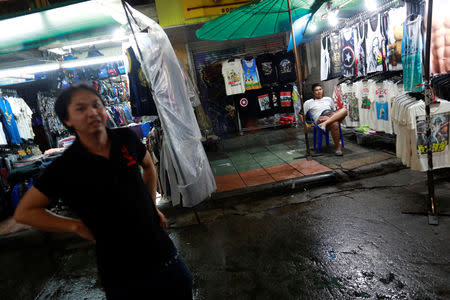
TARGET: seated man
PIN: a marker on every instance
(324, 114)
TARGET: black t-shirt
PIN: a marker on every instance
(266, 68)
(286, 104)
(113, 201)
(285, 62)
(274, 95)
(263, 103)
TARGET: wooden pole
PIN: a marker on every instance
(299, 81)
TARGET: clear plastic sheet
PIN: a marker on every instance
(172, 97)
(173, 93)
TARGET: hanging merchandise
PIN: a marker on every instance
(251, 74)
(22, 114)
(3, 140)
(9, 122)
(412, 48)
(344, 96)
(361, 63)
(366, 109)
(348, 57)
(142, 103)
(267, 68)
(325, 58)
(275, 99)
(285, 62)
(195, 180)
(233, 74)
(396, 16)
(410, 126)
(375, 46)
(335, 55)
(286, 99)
(263, 101)
(383, 120)
(440, 37)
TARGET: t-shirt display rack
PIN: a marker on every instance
(263, 94)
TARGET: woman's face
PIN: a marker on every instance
(86, 113)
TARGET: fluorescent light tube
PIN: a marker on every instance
(20, 72)
(90, 61)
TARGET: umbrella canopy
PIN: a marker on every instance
(257, 18)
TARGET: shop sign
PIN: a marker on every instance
(206, 8)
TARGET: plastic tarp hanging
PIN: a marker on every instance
(173, 93)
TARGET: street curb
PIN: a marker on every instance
(285, 186)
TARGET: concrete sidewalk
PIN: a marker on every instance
(273, 162)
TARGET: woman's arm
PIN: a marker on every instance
(32, 211)
(150, 178)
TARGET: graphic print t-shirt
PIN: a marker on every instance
(396, 17)
(264, 104)
(412, 55)
(375, 46)
(335, 55)
(286, 66)
(324, 58)
(233, 74)
(286, 99)
(348, 57)
(267, 68)
(9, 122)
(251, 75)
(361, 64)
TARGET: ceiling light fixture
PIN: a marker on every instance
(24, 72)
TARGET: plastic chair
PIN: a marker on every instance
(318, 134)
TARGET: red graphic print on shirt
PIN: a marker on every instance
(127, 155)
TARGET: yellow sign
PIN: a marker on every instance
(205, 8)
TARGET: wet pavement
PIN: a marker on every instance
(346, 241)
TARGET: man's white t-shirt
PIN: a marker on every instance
(317, 106)
(233, 74)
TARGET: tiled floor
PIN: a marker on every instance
(261, 165)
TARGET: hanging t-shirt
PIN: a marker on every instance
(286, 105)
(233, 74)
(267, 69)
(375, 46)
(324, 58)
(335, 55)
(251, 75)
(246, 104)
(383, 120)
(440, 118)
(350, 102)
(22, 114)
(396, 17)
(3, 140)
(361, 64)
(365, 105)
(141, 98)
(412, 47)
(286, 66)
(348, 57)
(274, 95)
(263, 101)
(9, 122)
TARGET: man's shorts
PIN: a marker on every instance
(325, 115)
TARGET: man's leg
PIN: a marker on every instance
(334, 130)
(338, 116)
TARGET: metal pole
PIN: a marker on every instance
(299, 80)
(431, 196)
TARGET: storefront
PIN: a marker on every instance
(106, 55)
(372, 63)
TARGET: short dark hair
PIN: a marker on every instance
(64, 98)
(315, 85)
